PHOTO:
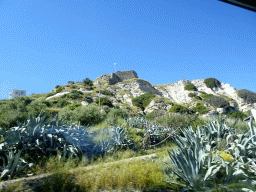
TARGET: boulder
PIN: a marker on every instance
(154, 105)
(84, 103)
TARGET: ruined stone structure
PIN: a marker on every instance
(116, 77)
(17, 93)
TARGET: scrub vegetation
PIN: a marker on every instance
(140, 175)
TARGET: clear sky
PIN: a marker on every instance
(44, 43)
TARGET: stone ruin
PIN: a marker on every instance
(117, 77)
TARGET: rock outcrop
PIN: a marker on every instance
(126, 85)
(116, 77)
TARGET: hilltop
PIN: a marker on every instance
(125, 90)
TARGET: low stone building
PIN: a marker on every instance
(116, 77)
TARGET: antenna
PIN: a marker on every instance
(114, 66)
(99, 96)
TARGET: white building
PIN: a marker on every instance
(17, 93)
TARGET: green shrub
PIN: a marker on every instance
(190, 87)
(143, 101)
(88, 99)
(197, 122)
(57, 86)
(73, 86)
(202, 92)
(59, 89)
(154, 114)
(200, 108)
(123, 91)
(217, 101)
(106, 92)
(87, 115)
(176, 108)
(73, 106)
(87, 81)
(177, 121)
(71, 82)
(60, 102)
(237, 115)
(160, 99)
(150, 116)
(66, 114)
(191, 94)
(247, 96)
(198, 98)
(50, 94)
(114, 113)
(104, 101)
(212, 82)
(74, 94)
(205, 96)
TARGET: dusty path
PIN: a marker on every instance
(36, 180)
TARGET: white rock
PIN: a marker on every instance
(85, 90)
(84, 103)
(57, 95)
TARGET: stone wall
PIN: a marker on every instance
(17, 93)
(118, 76)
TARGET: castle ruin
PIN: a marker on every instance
(116, 77)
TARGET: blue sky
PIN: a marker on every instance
(48, 43)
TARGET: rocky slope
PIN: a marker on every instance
(125, 89)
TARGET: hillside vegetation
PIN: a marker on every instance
(149, 175)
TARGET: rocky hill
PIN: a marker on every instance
(122, 87)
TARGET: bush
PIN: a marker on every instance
(247, 96)
(71, 82)
(237, 115)
(104, 101)
(177, 121)
(191, 94)
(197, 122)
(88, 99)
(74, 94)
(115, 113)
(57, 86)
(217, 101)
(73, 106)
(87, 81)
(59, 89)
(60, 102)
(212, 82)
(160, 99)
(66, 114)
(73, 86)
(106, 92)
(143, 100)
(87, 115)
(198, 97)
(202, 92)
(50, 94)
(200, 108)
(205, 96)
(176, 108)
(154, 114)
(190, 87)
(123, 91)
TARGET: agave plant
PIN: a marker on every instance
(190, 159)
(36, 139)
